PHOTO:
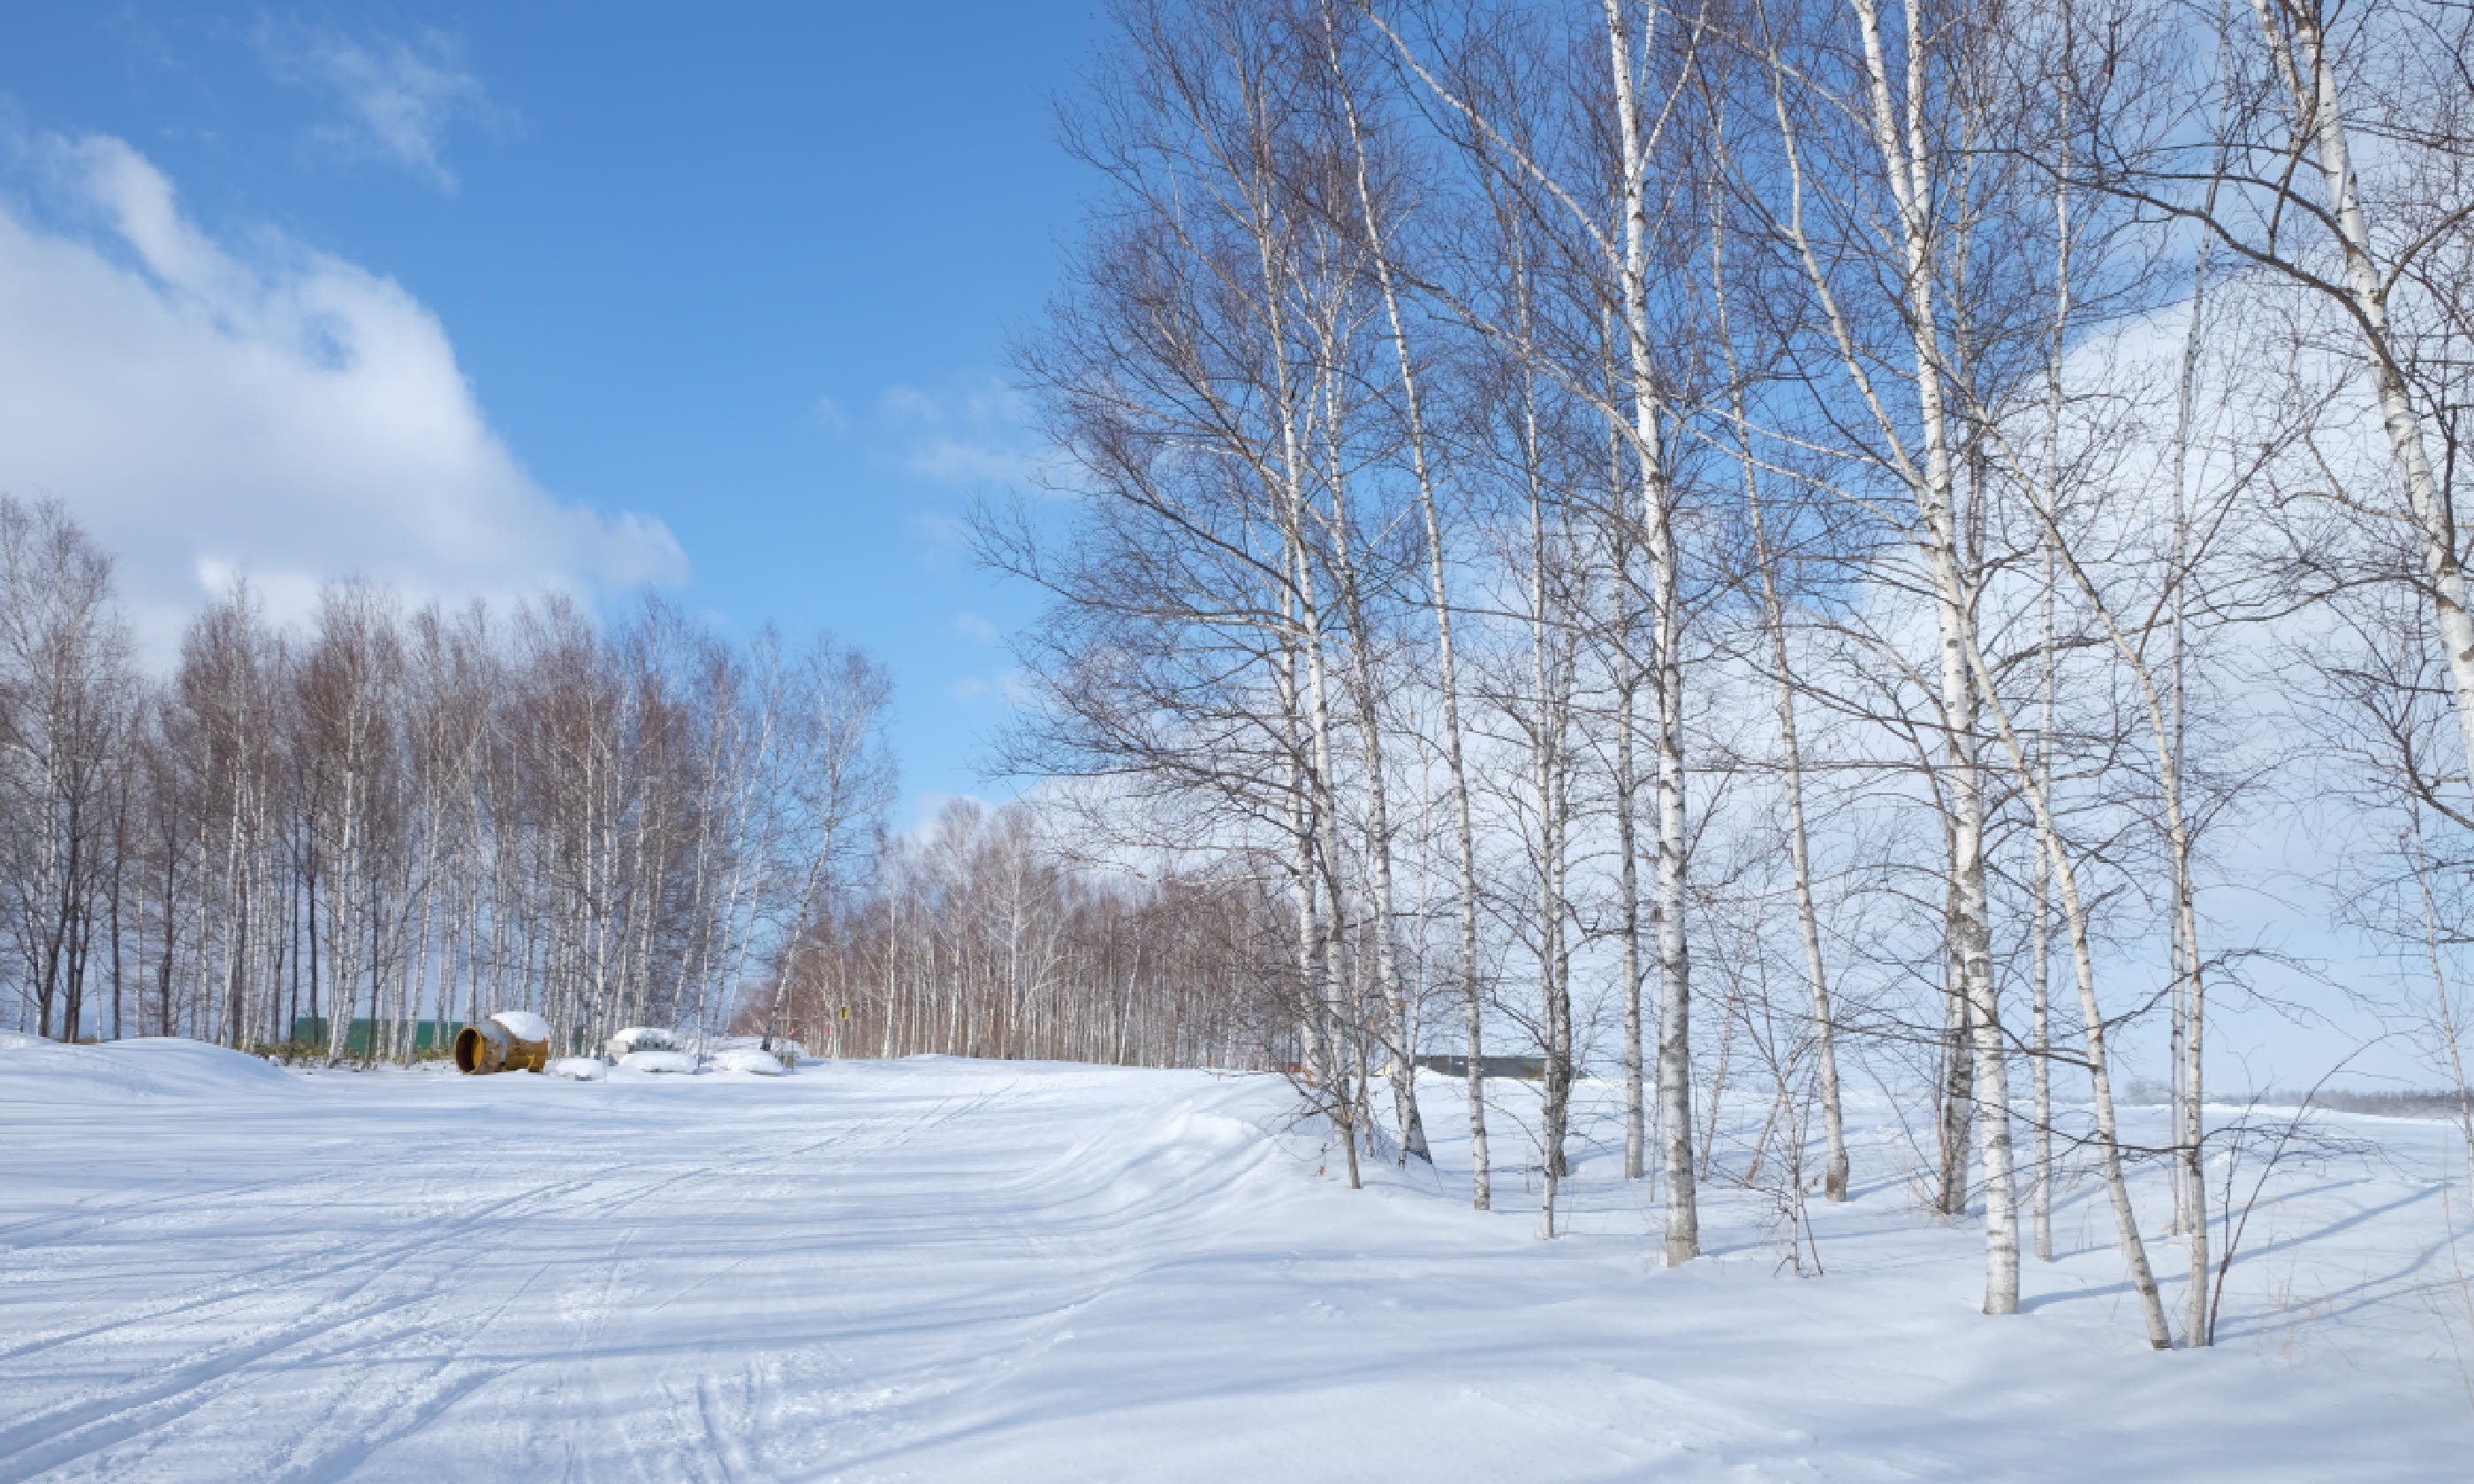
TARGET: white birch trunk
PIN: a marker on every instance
(1682, 1236)
(1439, 599)
(1908, 169)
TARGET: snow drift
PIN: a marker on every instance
(35, 1070)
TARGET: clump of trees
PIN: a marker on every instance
(978, 937)
(1768, 539)
(405, 815)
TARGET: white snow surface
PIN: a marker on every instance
(577, 1068)
(523, 1024)
(38, 1071)
(950, 1270)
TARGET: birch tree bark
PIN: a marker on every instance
(1438, 604)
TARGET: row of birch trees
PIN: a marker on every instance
(982, 936)
(408, 817)
(1791, 540)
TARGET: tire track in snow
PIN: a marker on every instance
(279, 1274)
(451, 1377)
(710, 1423)
(289, 1271)
(78, 1426)
(390, 1355)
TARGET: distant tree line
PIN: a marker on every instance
(400, 815)
(432, 815)
(978, 937)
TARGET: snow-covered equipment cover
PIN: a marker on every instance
(746, 1059)
(523, 1024)
(512, 1040)
(638, 1038)
(789, 1053)
(578, 1068)
(658, 1061)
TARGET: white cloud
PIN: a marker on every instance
(978, 629)
(286, 414)
(975, 436)
(1010, 688)
(903, 403)
(928, 809)
(956, 461)
(398, 96)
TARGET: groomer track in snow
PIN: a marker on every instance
(940, 1270)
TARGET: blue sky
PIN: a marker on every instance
(741, 275)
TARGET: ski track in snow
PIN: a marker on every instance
(938, 1269)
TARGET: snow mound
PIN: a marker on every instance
(663, 1062)
(523, 1024)
(36, 1070)
(764, 1063)
(577, 1068)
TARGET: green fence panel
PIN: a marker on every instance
(309, 1030)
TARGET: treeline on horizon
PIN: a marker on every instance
(397, 815)
(413, 819)
(980, 938)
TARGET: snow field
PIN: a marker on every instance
(938, 1269)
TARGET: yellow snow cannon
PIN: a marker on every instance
(512, 1040)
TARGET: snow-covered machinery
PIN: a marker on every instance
(512, 1040)
(638, 1038)
(748, 1059)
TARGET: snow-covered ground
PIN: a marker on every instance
(939, 1269)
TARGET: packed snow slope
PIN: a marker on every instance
(948, 1269)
